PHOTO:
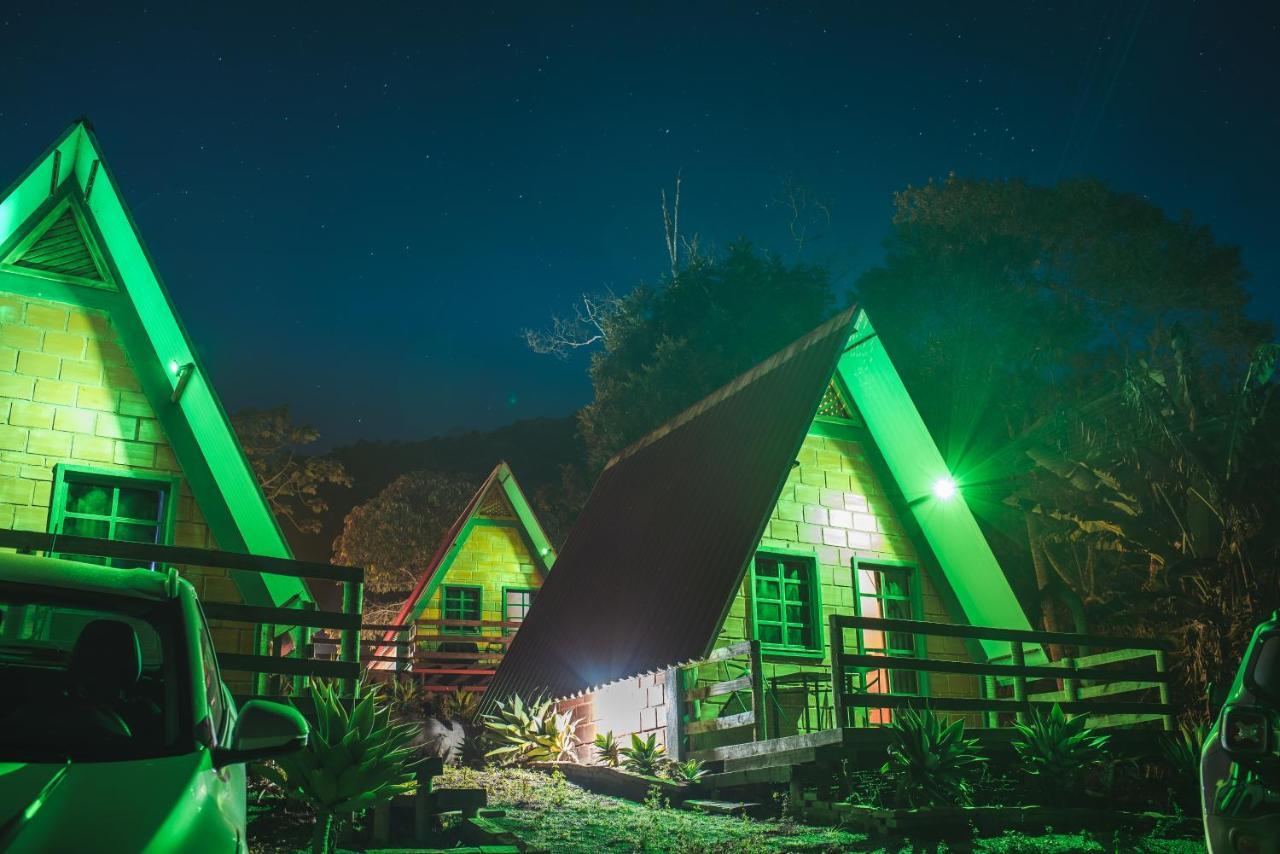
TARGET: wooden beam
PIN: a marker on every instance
(925, 627)
(720, 724)
(280, 616)
(289, 666)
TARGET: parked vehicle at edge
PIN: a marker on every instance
(1240, 765)
(117, 732)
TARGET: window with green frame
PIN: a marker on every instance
(458, 602)
(114, 506)
(784, 601)
(887, 591)
(516, 603)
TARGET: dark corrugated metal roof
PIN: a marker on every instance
(648, 571)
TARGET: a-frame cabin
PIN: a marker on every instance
(472, 596)
(790, 521)
(109, 425)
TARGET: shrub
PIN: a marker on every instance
(1183, 750)
(462, 706)
(1056, 749)
(931, 762)
(530, 733)
(353, 761)
(687, 772)
(606, 749)
(644, 756)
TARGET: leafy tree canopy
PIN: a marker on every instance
(669, 345)
(396, 532)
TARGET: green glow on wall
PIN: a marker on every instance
(944, 489)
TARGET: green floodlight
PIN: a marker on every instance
(944, 489)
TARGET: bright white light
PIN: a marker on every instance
(944, 488)
(173, 367)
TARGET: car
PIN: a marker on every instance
(117, 732)
(1240, 763)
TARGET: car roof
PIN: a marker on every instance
(88, 577)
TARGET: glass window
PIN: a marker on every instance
(213, 687)
(1266, 667)
(783, 596)
(887, 592)
(111, 508)
(461, 603)
(518, 603)
(91, 678)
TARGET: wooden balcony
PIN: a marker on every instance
(443, 655)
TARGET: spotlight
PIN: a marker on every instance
(944, 489)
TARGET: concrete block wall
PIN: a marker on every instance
(69, 395)
(636, 705)
(493, 556)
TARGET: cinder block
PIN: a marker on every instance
(13, 438)
(74, 420)
(101, 399)
(64, 344)
(20, 337)
(30, 518)
(110, 353)
(834, 537)
(8, 357)
(81, 372)
(17, 387)
(135, 403)
(15, 490)
(815, 515)
(840, 518)
(35, 364)
(24, 414)
(864, 522)
(135, 454)
(49, 443)
(90, 324)
(811, 534)
(92, 448)
(112, 426)
(55, 391)
(122, 377)
(46, 316)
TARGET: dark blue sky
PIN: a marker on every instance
(357, 211)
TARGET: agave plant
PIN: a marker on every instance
(687, 772)
(1055, 748)
(644, 756)
(1183, 750)
(930, 761)
(460, 705)
(606, 749)
(530, 733)
(354, 760)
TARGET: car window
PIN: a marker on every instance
(90, 678)
(213, 686)
(1266, 667)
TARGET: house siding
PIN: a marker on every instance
(493, 556)
(69, 395)
(834, 507)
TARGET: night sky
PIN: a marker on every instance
(358, 211)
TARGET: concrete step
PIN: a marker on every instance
(721, 807)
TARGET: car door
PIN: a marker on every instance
(226, 784)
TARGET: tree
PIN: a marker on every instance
(395, 533)
(1013, 304)
(669, 345)
(290, 479)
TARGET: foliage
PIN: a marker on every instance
(353, 761)
(687, 772)
(395, 533)
(1183, 751)
(606, 749)
(460, 705)
(1095, 383)
(660, 348)
(404, 697)
(1056, 749)
(290, 480)
(535, 732)
(931, 762)
(644, 756)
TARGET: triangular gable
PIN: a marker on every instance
(650, 569)
(499, 496)
(72, 176)
(968, 565)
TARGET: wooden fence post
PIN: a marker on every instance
(837, 671)
(1163, 688)
(262, 646)
(1071, 684)
(1019, 679)
(990, 718)
(757, 690)
(675, 715)
(352, 603)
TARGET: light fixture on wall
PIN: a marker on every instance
(944, 489)
(183, 373)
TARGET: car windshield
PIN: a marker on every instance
(1266, 667)
(90, 678)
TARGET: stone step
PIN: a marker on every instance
(721, 807)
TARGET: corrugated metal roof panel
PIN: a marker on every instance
(650, 566)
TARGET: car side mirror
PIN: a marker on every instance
(1216, 694)
(264, 730)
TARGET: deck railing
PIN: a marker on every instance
(699, 707)
(281, 634)
(444, 655)
(1087, 684)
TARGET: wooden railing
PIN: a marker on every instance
(1017, 678)
(444, 655)
(736, 680)
(273, 626)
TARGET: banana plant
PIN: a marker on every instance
(354, 761)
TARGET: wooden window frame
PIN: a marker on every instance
(506, 615)
(915, 602)
(461, 631)
(65, 474)
(815, 649)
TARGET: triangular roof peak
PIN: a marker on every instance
(72, 176)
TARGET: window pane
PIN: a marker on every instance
(139, 504)
(136, 533)
(796, 614)
(91, 498)
(766, 589)
(769, 611)
(85, 527)
(794, 572)
(796, 636)
(766, 568)
(794, 593)
(770, 634)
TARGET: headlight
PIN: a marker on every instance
(1246, 731)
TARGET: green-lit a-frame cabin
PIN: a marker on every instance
(109, 426)
(791, 533)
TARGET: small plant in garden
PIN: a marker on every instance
(353, 761)
(530, 733)
(1056, 749)
(460, 705)
(1183, 750)
(688, 772)
(931, 762)
(606, 749)
(655, 800)
(644, 756)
